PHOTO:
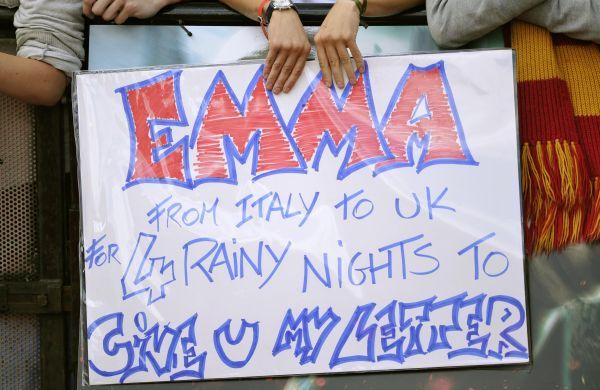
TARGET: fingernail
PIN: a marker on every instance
(361, 69)
(286, 89)
(276, 90)
(340, 85)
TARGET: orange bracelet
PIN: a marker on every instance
(261, 19)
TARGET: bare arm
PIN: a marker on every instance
(338, 33)
(31, 81)
(386, 7)
(248, 8)
(121, 10)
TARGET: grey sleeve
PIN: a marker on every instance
(51, 31)
(454, 23)
(578, 19)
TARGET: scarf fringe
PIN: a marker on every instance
(592, 228)
(555, 188)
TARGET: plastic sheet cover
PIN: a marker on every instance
(230, 232)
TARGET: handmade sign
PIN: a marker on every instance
(229, 232)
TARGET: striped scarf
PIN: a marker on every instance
(559, 119)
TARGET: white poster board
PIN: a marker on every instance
(229, 232)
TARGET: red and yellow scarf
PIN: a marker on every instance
(559, 120)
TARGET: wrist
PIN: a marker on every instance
(279, 6)
(359, 6)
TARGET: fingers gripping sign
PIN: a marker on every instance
(335, 38)
(288, 49)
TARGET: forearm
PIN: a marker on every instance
(31, 81)
(248, 8)
(387, 7)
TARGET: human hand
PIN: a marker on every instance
(121, 10)
(336, 35)
(288, 49)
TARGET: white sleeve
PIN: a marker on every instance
(51, 31)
